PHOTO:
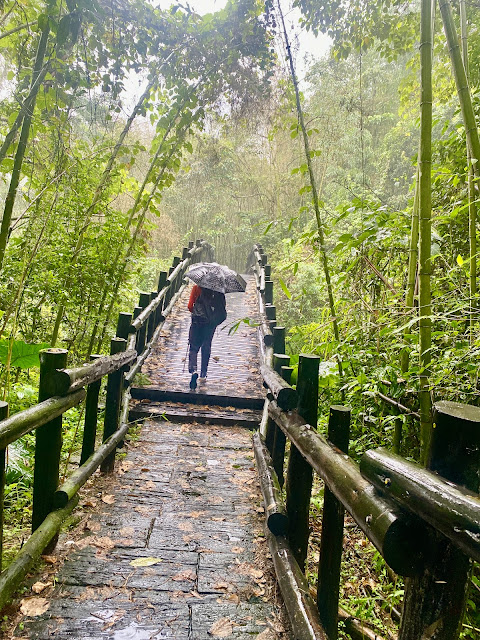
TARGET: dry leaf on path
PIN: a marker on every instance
(38, 587)
(187, 574)
(34, 606)
(221, 628)
(50, 559)
(145, 562)
(108, 498)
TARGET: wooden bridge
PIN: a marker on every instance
(183, 539)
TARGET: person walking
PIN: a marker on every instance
(208, 309)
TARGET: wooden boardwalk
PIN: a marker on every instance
(177, 548)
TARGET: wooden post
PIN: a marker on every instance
(123, 325)
(3, 415)
(151, 326)
(162, 280)
(268, 292)
(136, 312)
(434, 602)
(271, 312)
(112, 403)
(331, 543)
(268, 271)
(279, 340)
(299, 472)
(397, 435)
(272, 428)
(91, 416)
(287, 374)
(280, 362)
(184, 253)
(144, 301)
(48, 444)
(191, 244)
(170, 291)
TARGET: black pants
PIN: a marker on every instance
(200, 337)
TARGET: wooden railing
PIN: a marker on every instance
(59, 390)
(424, 522)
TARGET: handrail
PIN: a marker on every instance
(424, 522)
(392, 532)
(62, 388)
(23, 422)
(448, 508)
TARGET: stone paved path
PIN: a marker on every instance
(176, 548)
(233, 368)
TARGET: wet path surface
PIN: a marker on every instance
(187, 506)
(233, 369)
(175, 548)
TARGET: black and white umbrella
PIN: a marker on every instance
(217, 277)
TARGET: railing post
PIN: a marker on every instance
(268, 292)
(48, 444)
(436, 599)
(271, 430)
(278, 339)
(136, 312)
(143, 302)
(91, 416)
(331, 542)
(184, 253)
(280, 362)
(3, 415)
(268, 271)
(123, 325)
(162, 280)
(112, 402)
(299, 472)
(151, 326)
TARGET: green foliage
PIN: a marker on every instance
(20, 354)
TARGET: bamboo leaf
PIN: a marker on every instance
(285, 288)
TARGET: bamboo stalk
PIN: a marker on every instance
(472, 208)
(3, 415)
(425, 227)
(22, 143)
(315, 198)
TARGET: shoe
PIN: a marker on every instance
(202, 379)
(193, 381)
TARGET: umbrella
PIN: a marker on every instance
(217, 277)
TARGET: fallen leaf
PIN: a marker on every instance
(187, 574)
(108, 499)
(50, 559)
(34, 606)
(221, 628)
(145, 562)
(238, 549)
(89, 503)
(126, 531)
(38, 587)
